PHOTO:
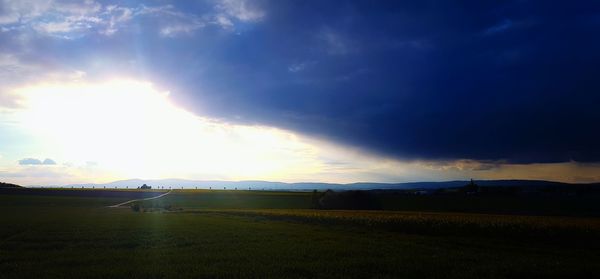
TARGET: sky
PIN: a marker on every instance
(324, 91)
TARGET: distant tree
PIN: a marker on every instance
(471, 187)
(314, 202)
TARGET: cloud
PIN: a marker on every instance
(462, 165)
(48, 162)
(499, 27)
(34, 161)
(14, 71)
(242, 10)
(15, 11)
(55, 27)
(11, 67)
(78, 7)
(175, 29)
(9, 18)
(224, 21)
(334, 43)
(50, 17)
(200, 147)
(173, 22)
(117, 15)
(56, 18)
(71, 20)
(451, 102)
(300, 66)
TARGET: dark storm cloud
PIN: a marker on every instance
(507, 80)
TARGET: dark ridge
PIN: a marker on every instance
(9, 185)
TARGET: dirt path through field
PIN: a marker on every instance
(152, 198)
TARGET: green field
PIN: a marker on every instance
(247, 234)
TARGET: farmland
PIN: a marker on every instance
(255, 234)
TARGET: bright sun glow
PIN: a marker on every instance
(137, 132)
(121, 129)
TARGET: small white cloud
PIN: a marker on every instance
(30, 161)
(224, 22)
(301, 66)
(117, 16)
(77, 75)
(242, 10)
(164, 10)
(34, 161)
(48, 161)
(175, 29)
(54, 27)
(335, 43)
(294, 68)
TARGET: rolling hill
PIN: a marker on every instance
(303, 186)
(8, 185)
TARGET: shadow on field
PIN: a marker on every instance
(355, 200)
(557, 230)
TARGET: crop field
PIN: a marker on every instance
(206, 199)
(551, 206)
(247, 234)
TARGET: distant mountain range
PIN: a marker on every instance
(303, 186)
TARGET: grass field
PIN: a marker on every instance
(243, 234)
